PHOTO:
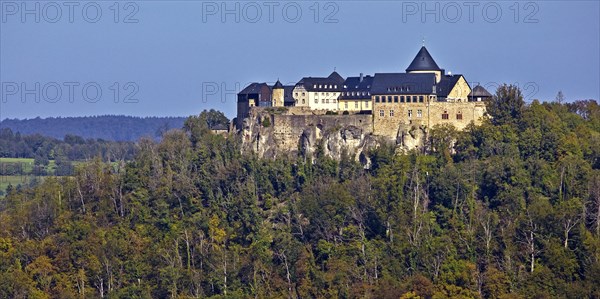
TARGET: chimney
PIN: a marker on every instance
(361, 77)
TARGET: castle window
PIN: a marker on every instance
(401, 99)
(322, 101)
(414, 99)
(420, 99)
(316, 101)
(376, 99)
(333, 100)
(327, 101)
(381, 113)
(395, 99)
(445, 115)
(346, 105)
(356, 105)
(409, 113)
(389, 99)
(367, 104)
(302, 94)
(296, 94)
(459, 116)
(419, 113)
(392, 113)
(303, 101)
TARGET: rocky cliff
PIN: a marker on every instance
(273, 132)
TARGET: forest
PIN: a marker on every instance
(106, 127)
(508, 209)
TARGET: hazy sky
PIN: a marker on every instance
(176, 58)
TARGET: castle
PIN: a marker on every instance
(423, 96)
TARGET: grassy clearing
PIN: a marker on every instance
(15, 180)
(15, 160)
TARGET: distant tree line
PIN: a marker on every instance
(108, 127)
(73, 148)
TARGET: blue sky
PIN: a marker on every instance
(176, 58)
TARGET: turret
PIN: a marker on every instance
(424, 63)
(278, 94)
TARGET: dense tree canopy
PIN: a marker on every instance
(508, 209)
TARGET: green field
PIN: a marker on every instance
(25, 179)
(15, 180)
(28, 164)
(13, 160)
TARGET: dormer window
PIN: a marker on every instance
(315, 86)
(335, 86)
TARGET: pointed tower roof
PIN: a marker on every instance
(480, 91)
(423, 62)
(278, 85)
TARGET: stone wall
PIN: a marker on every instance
(288, 133)
(460, 114)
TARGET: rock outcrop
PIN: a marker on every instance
(275, 132)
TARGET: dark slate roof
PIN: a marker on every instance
(402, 83)
(287, 93)
(334, 80)
(354, 84)
(480, 92)
(278, 85)
(336, 77)
(423, 62)
(446, 84)
(254, 88)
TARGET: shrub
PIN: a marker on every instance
(266, 122)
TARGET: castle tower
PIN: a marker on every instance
(278, 94)
(424, 63)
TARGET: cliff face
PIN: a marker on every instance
(271, 133)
